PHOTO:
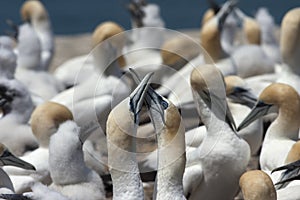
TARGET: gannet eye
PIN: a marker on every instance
(164, 104)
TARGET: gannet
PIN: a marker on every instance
(241, 59)
(77, 70)
(16, 109)
(289, 48)
(35, 13)
(94, 98)
(28, 65)
(256, 185)
(45, 120)
(121, 131)
(268, 39)
(214, 169)
(68, 170)
(283, 132)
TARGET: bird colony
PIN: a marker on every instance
(152, 113)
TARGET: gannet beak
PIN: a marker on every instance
(290, 174)
(259, 110)
(14, 33)
(243, 96)
(155, 103)
(136, 12)
(8, 158)
(138, 95)
(226, 9)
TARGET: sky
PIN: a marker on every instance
(81, 16)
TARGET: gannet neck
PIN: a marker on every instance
(290, 39)
(34, 12)
(29, 48)
(209, 95)
(171, 156)
(288, 101)
(46, 119)
(228, 34)
(122, 160)
(256, 184)
(66, 162)
(210, 40)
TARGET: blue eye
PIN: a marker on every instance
(164, 104)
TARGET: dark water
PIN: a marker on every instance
(79, 16)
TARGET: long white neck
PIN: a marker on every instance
(43, 30)
(171, 163)
(122, 159)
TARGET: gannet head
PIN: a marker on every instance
(252, 31)
(7, 158)
(211, 12)
(256, 184)
(177, 52)
(210, 33)
(208, 86)
(290, 39)
(237, 90)
(33, 10)
(103, 35)
(46, 119)
(283, 97)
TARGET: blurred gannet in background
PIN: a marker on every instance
(16, 104)
(283, 132)
(34, 12)
(28, 65)
(268, 39)
(146, 38)
(77, 70)
(16, 109)
(94, 98)
(222, 155)
(244, 60)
